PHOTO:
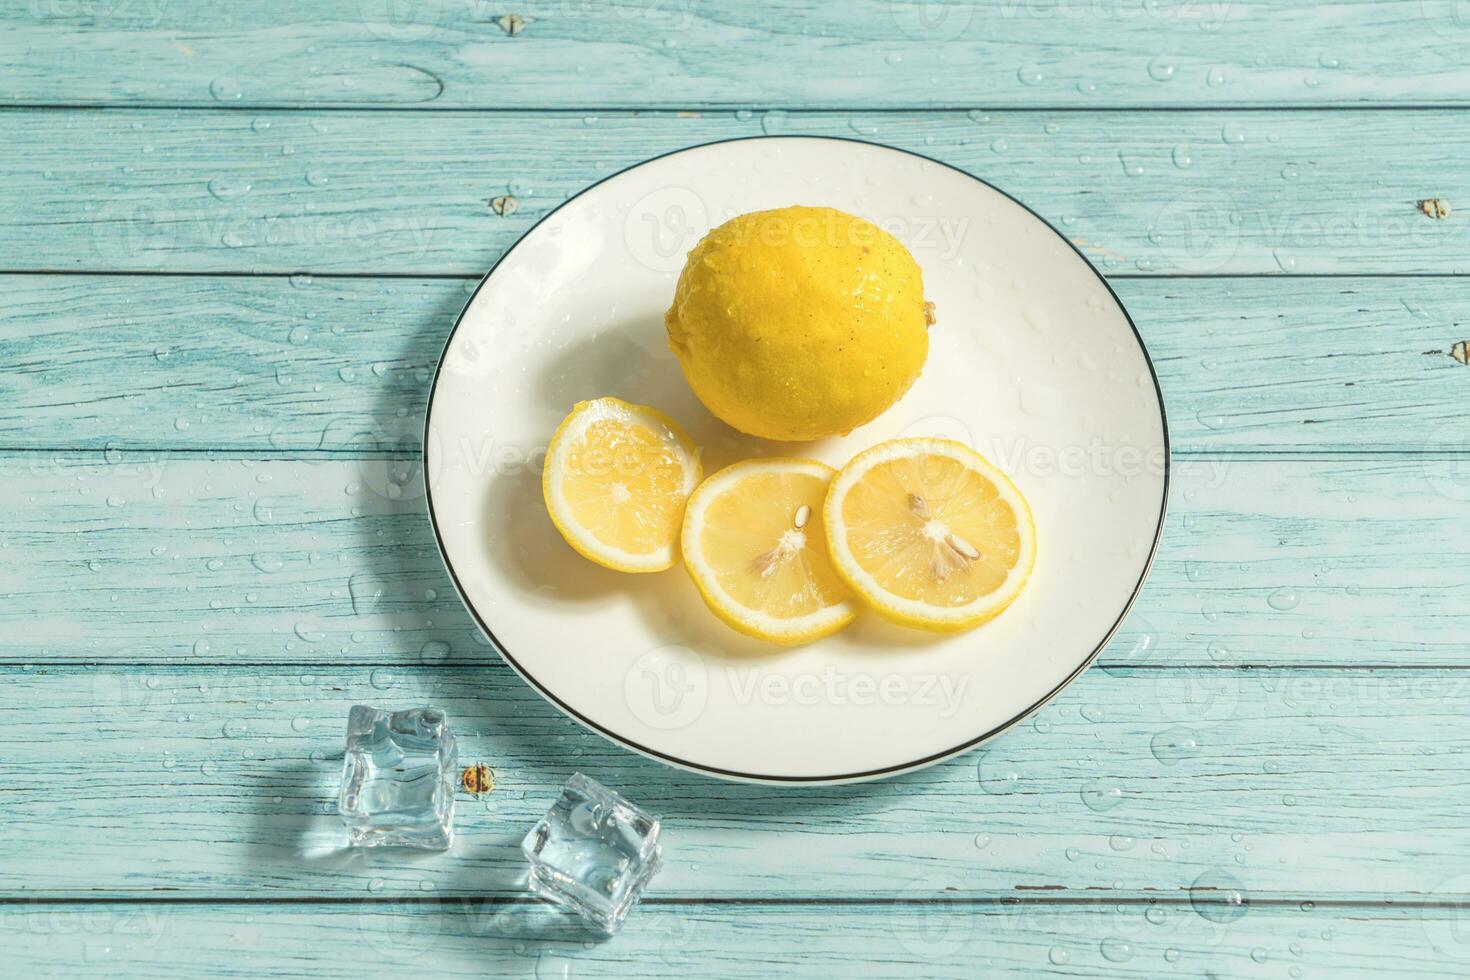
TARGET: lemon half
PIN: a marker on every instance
(616, 480)
(756, 549)
(930, 534)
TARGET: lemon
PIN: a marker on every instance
(930, 534)
(616, 480)
(754, 545)
(799, 323)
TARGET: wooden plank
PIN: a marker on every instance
(342, 364)
(683, 53)
(220, 782)
(943, 940)
(1263, 192)
(139, 558)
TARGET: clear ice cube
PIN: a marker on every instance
(398, 778)
(592, 853)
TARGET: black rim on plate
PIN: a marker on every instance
(765, 777)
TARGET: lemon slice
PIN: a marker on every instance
(754, 544)
(930, 534)
(616, 480)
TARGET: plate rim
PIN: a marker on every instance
(766, 778)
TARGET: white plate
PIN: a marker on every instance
(1033, 362)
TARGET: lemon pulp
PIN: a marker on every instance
(930, 534)
(616, 481)
(755, 546)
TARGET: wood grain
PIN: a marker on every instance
(861, 54)
(178, 559)
(221, 781)
(947, 940)
(1203, 193)
(336, 364)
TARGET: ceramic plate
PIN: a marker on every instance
(1033, 362)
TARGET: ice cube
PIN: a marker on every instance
(398, 778)
(592, 853)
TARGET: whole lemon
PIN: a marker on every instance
(799, 323)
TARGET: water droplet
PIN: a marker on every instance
(1283, 599)
(317, 178)
(997, 774)
(1161, 69)
(863, 127)
(1285, 262)
(1171, 955)
(1155, 915)
(1232, 133)
(434, 652)
(1116, 950)
(1219, 896)
(376, 885)
(1173, 745)
(235, 728)
(1258, 954)
(1181, 157)
(308, 633)
(1130, 168)
(264, 510)
(774, 121)
(299, 335)
(1210, 420)
(1101, 794)
(1121, 842)
(1216, 77)
(1058, 956)
(226, 90)
(300, 724)
(228, 188)
(267, 563)
(999, 146)
(1030, 75)
(383, 678)
(260, 124)
(550, 966)
(976, 116)
(115, 501)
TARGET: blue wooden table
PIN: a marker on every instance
(233, 237)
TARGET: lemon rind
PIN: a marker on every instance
(741, 618)
(911, 612)
(582, 415)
